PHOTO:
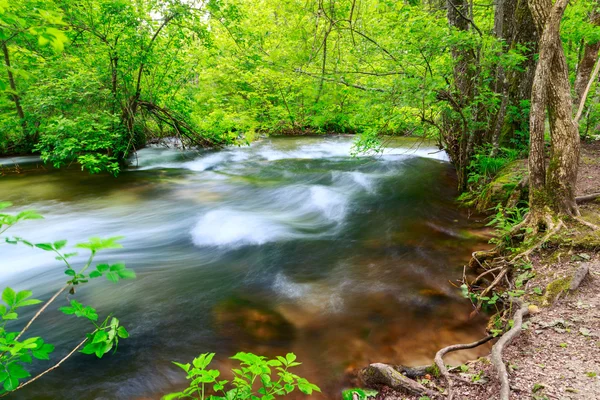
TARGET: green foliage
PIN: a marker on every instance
(363, 394)
(16, 353)
(504, 220)
(272, 375)
(484, 167)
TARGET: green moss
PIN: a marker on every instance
(555, 289)
(499, 189)
(433, 370)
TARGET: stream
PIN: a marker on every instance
(287, 245)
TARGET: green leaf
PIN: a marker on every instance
(10, 316)
(117, 267)
(11, 384)
(102, 267)
(45, 246)
(5, 204)
(185, 367)
(126, 274)
(100, 337)
(22, 295)
(70, 272)
(122, 332)
(112, 276)
(9, 296)
(95, 274)
(60, 244)
(290, 357)
(17, 371)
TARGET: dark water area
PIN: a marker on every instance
(287, 245)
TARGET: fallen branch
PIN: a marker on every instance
(439, 361)
(579, 276)
(587, 198)
(505, 339)
(376, 375)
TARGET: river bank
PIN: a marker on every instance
(556, 355)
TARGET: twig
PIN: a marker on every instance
(49, 369)
(40, 311)
(484, 274)
(439, 361)
(505, 339)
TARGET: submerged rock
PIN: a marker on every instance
(251, 319)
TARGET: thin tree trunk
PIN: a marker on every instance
(587, 61)
(13, 87)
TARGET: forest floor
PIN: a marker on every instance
(557, 354)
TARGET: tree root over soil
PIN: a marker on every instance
(439, 362)
(505, 339)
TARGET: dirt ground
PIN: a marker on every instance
(557, 354)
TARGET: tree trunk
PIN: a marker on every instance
(513, 24)
(587, 62)
(465, 65)
(553, 188)
(13, 87)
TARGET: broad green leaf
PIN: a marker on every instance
(9, 296)
(44, 246)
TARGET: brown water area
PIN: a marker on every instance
(289, 245)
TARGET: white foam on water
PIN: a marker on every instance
(331, 203)
(320, 295)
(287, 288)
(231, 228)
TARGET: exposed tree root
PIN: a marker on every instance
(489, 271)
(505, 339)
(551, 229)
(586, 223)
(587, 198)
(377, 375)
(439, 361)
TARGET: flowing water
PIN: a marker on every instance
(287, 245)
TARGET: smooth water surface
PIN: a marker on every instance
(287, 245)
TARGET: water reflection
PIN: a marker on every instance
(287, 245)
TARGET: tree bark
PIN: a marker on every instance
(13, 87)
(587, 62)
(554, 187)
(513, 24)
(465, 66)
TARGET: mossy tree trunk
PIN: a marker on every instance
(552, 188)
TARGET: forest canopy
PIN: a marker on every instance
(92, 81)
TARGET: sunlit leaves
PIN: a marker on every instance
(252, 368)
(79, 310)
(105, 338)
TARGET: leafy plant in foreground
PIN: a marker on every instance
(17, 354)
(253, 380)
